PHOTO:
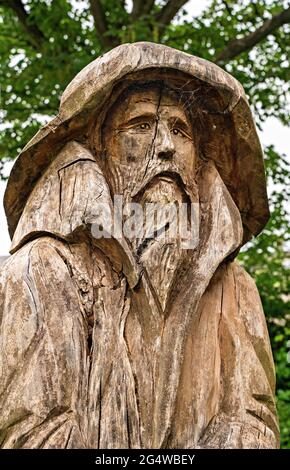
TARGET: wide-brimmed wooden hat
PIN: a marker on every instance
(233, 143)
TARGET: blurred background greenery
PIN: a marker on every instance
(44, 43)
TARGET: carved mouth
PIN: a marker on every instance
(166, 176)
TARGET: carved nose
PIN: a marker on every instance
(165, 146)
(166, 155)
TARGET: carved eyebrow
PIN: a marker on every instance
(139, 118)
(176, 121)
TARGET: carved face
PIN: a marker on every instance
(148, 133)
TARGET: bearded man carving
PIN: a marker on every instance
(137, 343)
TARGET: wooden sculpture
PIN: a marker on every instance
(119, 342)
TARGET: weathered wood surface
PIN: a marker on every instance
(240, 164)
(117, 343)
(2, 259)
(90, 366)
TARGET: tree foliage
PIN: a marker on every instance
(44, 43)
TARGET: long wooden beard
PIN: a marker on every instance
(164, 183)
(160, 251)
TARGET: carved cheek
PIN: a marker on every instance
(185, 155)
(134, 147)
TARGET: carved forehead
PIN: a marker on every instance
(153, 94)
(147, 99)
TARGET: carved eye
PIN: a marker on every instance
(144, 126)
(177, 131)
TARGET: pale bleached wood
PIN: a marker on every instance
(121, 343)
(240, 164)
(2, 259)
(198, 378)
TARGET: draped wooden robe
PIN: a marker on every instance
(89, 360)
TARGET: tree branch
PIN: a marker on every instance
(101, 24)
(141, 7)
(237, 46)
(148, 6)
(227, 7)
(137, 9)
(168, 12)
(35, 36)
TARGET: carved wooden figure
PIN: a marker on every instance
(137, 342)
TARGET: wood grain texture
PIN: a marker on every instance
(86, 97)
(137, 342)
(86, 369)
(96, 364)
